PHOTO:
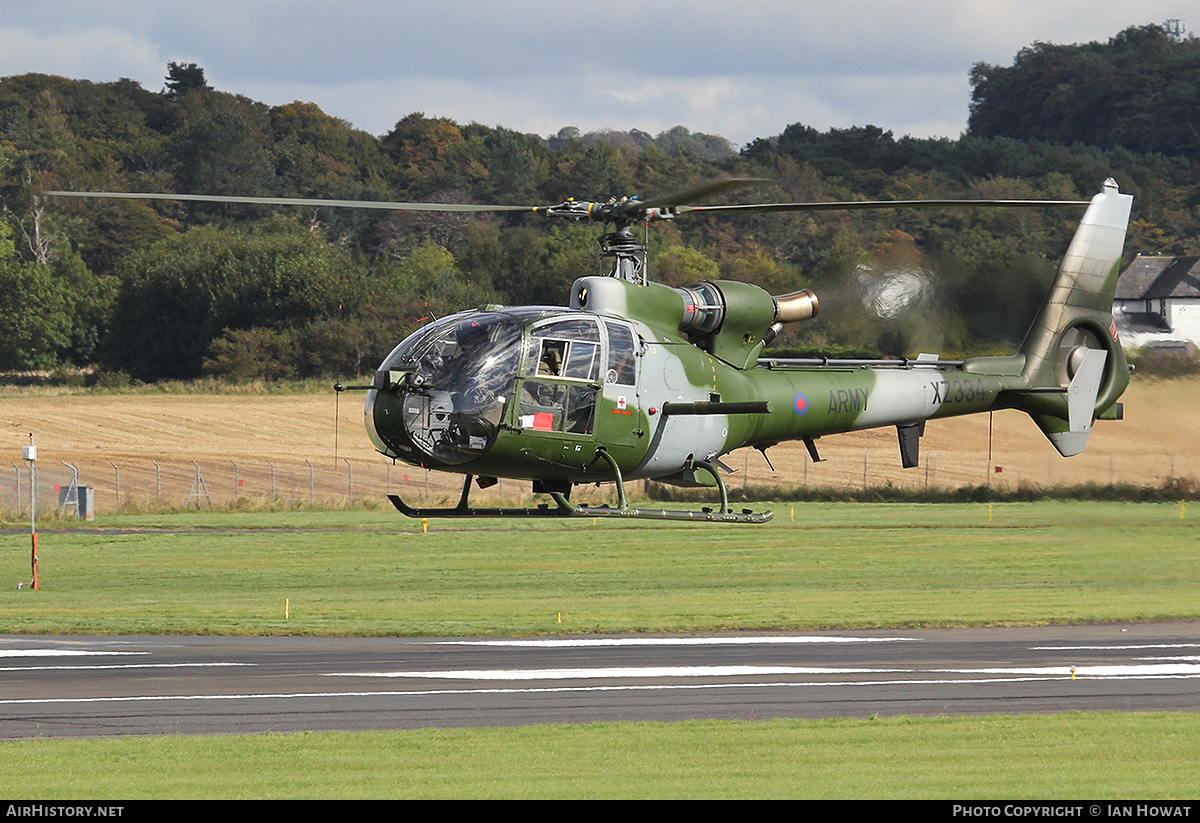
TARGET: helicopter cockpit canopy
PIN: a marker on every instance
(454, 378)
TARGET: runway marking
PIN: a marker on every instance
(119, 666)
(56, 653)
(1107, 671)
(1115, 647)
(559, 690)
(629, 671)
(590, 642)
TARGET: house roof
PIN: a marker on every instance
(1156, 278)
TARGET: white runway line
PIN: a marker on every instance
(590, 642)
(629, 671)
(1115, 648)
(1035, 672)
(121, 666)
(52, 652)
(540, 690)
(1133, 670)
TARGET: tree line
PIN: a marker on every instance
(161, 290)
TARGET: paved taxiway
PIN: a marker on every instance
(106, 686)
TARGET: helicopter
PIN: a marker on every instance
(635, 379)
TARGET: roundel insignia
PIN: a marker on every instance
(800, 403)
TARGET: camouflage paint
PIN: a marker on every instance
(632, 428)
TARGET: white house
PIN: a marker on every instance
(1157, 304)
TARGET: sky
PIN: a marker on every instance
(743, 70)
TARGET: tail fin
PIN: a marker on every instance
(1074, 365)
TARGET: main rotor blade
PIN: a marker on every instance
(679, 198)
(292, 201)
(851, 205)
(676, 202)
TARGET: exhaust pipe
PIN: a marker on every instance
(799, 305)
(791, 308)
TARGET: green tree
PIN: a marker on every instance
(33, 312)
(679, 265)
(220, 152)
(1140, 90)
(251, 354)
(180, 294)
(185, 77)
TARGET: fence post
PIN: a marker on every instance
(199, 489)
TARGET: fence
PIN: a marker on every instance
(139, 483)
(858, 461)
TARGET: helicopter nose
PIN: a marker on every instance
(384, 414)
(420, 426)
(381, 408)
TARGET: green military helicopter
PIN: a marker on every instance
(637, 379)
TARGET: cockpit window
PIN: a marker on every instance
(568, 353)
(622, 351)
(567, 348)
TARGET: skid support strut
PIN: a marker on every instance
(565, 508)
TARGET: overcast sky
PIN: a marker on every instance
(741, 69)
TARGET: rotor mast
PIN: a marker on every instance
(628, 255)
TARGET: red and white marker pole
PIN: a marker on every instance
(29, 454)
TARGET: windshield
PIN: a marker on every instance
(460, 372)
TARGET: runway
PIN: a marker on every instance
(110, 686)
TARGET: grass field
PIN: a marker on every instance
(815, 565)
(370, 572)
(1072, 756)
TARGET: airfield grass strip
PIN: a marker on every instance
(1067, 756)
(815, 566)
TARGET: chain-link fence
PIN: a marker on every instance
(133, 485)
(140, 484)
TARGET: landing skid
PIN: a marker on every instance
(565, 508)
